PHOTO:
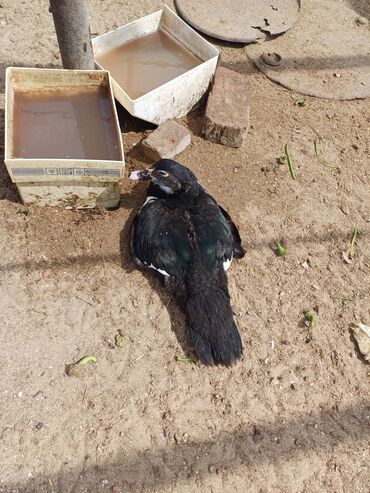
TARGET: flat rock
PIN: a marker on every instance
(228, 108)
(168, 140)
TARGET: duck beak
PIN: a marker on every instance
(140, 175)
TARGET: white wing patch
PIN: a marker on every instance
(166, 190)
(151, 266)
(227, 263)
(148, 200)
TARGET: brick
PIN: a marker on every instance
(226, 120)
(168, 140)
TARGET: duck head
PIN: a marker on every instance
(169, 178)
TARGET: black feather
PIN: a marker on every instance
(210, 322)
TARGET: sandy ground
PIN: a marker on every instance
(293, 416)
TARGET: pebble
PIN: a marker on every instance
(362, 21)
(210, 424)
(181, 438)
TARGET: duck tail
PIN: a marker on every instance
(210, 322)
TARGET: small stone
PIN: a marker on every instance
(361, 333)
(344, 208)
(305, 265)
(338, 76)
(116, 488)
(362, 21)
(20, 394)
(210, 424)
(39, 425)
(168, 140)
(228, 108)
(211, 469)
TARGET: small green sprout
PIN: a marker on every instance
(280, 249)
(119, 339)
(355, 235)
(86, 360)
(289, 161)
(184, 359)
(310, 318)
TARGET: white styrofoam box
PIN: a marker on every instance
(77, 183)
(175, 98)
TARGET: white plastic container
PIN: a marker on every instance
(76, 183)
(175, 98)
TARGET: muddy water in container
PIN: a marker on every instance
(146, 63)
(64, 123)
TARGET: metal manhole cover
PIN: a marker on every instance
(326, 54)
(239, 21)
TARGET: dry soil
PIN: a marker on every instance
(293, 416)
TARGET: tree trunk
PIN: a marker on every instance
(71, 20)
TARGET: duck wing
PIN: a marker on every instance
(214, 235)
(160, 239)
(239, 251)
